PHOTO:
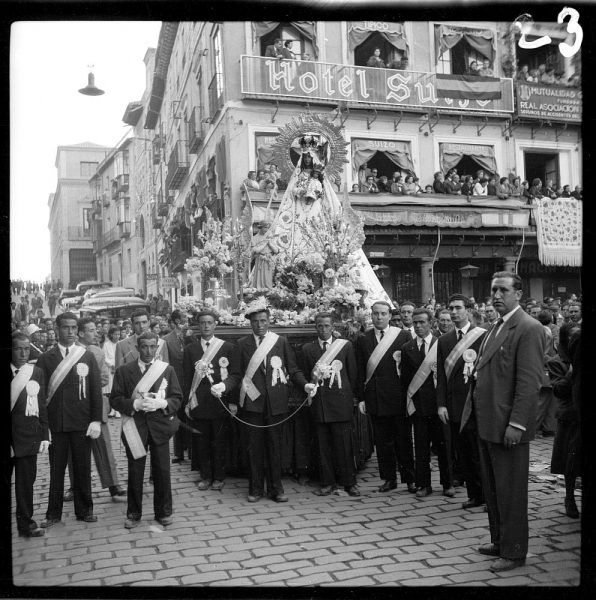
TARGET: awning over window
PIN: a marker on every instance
(265, 152)
(358, 31)
(451, 154)
(481, 40)
(306, 28)
(397, 152)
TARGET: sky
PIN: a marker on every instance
(49, 63)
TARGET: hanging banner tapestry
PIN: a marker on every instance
(559, 231)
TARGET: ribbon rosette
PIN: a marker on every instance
(204, 369)
(223, 367)
(397, 359)
(278, 374)
(32, 409)
(336, 367)
(82, 372)
(469, 357)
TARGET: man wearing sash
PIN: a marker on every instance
(456, 352)
(419, 367)
(126, 349)
(73, 390)
(147, 394)
(378, 356)
(503, 399)
(267, 365)
(331, 363)
(211, 375)
(29, 419)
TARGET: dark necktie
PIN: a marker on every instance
(261, 338)
(422, 351)
(145, 368)
(324, 346)
(207, 344)
(382, 333)
(66, 353)
(460, 334)
(16, 372)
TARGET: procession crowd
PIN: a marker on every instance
(466, 381)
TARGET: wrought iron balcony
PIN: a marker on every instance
(178, 166)
(122, 182)
(79, 233)
(356, 86)
(195, 130)
(124, 229)
(110, 237)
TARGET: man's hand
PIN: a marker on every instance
(44, 446)
(443, 414)
(310, 388)
(512, 437)
(234, 409)
(218, 389)
(362, 407)
(94, 430)
(138, 404)
(152, 404)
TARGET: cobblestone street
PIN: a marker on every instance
(218, 539)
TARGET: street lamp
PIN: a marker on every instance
(469, 271)
(90, 89)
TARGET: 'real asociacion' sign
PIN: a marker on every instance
(549, 102)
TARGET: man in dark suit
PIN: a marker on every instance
(29, 418)
(72, 385)
(147, 394)
(456, 353)
(176, 343)
(211, 370)
(331, 363)
(503, 400)
(127, 350)
(267, 364)
(379, 383)
(419, 363)
(275, 50)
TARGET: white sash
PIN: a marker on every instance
(419, 378)
(248, 388)
(18, 383)
(467, 340)
(129, 427)
(62, 370)
(381, 348)
(325, 362)
(198, 376)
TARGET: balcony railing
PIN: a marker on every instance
(163, 208)
(111, 236)
(122, 182)
(79, 233)
(548, 102)
(124, 229)
(216, 95)
(331, 83)
(178, 165)
(195, 130)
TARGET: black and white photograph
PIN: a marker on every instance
(297, 305)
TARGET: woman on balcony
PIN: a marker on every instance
(251, 182)
(375, 60)
(409, 187)
(481, 187)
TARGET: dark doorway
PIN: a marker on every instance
(363, 52)
(468, 166)
(541, 166)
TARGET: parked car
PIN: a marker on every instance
(114, 307)
(83, 286)
(108, 292)
(66, 295)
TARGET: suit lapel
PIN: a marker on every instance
(495, 341)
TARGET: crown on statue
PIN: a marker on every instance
(309, 142)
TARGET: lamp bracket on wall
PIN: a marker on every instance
(369, 122)
(343, 116)
(559, 131)
(479, 128)
(427, 120)
(458, 124)
(398, 121)
(276, 111)
(510, 127)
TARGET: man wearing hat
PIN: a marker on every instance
(267, 364)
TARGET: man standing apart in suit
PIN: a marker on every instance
(211, 371)
(331, 363)
(126, 349)
(503, 399)
(176, 342)
(147, 394)
(456, 352)
(419, 360)
(29, 431)
(73, 389)
(378, 355)
(276, 50)
(267, 365)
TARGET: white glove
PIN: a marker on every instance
(310, 388)
(234, 409)
(443, 414)
(152, 404)
(362, 407)
(218, 389)
(94, 430)
(138, 404)
(44, 446)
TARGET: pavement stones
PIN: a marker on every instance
(217, 539)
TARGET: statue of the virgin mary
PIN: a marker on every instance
(309, 201)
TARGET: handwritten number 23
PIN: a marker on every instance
(565, 49)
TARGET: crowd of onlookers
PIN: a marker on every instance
(547, 75)
(264, 180)
(451, 183)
